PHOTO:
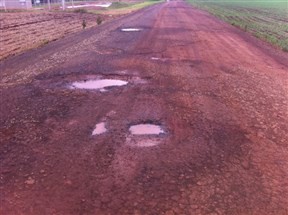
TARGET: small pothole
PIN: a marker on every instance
(162, 59)
(100, 128)
(145, 135)
(131, 29)
(155, 58)
(146, 129)
(98, 84)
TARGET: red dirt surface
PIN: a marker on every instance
(220, 95)
(25, 30)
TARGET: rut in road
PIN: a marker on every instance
(219, 95)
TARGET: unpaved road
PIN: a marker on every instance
(220, 95)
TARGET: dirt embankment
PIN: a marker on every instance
(25, 30)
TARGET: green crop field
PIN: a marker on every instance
(267, 20)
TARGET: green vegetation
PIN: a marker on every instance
(267, 20)
(44, 42)
(133, 6)
(125, 7)
(117, 5)
(80, 10)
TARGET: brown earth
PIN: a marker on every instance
(21, 31)
(220, 95)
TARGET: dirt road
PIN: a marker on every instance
(219, 95)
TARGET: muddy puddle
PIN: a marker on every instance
(155, 58)
(131, 29)
(145, 135)
(100, 128)
(98, 84)
(146, 129)
(159, 59)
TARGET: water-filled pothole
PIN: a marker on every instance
(155, 58)
(98, 84)
(130, 29)
(145, 135)
(159, 59)
(146, 129)
(100, 128)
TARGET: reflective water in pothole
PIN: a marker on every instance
(146, 129)
(159, 59)
(100, 128)
(98, 84)
(155, 58)
(130, 29)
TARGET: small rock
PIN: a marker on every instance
(30, 181)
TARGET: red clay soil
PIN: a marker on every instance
(220, 95)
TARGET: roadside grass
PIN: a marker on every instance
(80, 10)
(266, 20)
(132, 6)
(118, 5)
(119, 8)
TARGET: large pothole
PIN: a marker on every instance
(98, 84)
(145, 135)
(146, 129)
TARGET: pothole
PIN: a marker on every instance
(98, 84)
(155, 58)
(146, 129)
(131, 29)
(159, 59)
(100, 128)
(145, 135)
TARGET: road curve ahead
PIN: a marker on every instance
(219, 95)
